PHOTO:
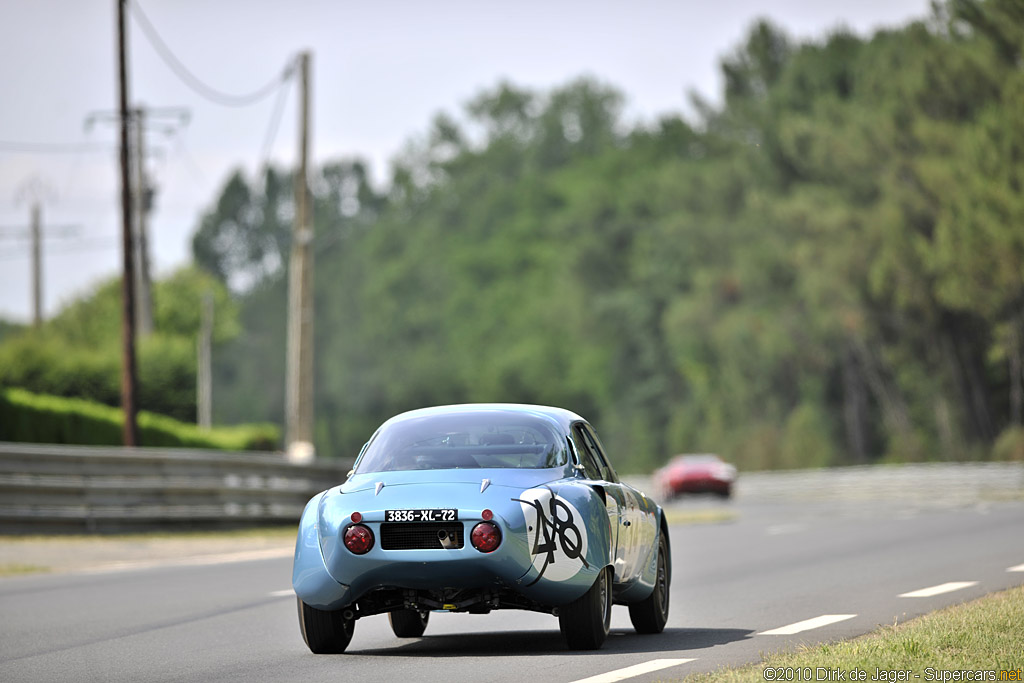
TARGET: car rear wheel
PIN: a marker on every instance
(651, 615)
(325, 633)
(585, 622)
(408, 623)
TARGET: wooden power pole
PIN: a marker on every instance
(128, 381)
(142, 196)
(299, 365)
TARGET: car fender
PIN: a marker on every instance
(643, 586)
(568, 536)
(311, 581)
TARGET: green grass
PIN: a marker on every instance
(682, 517)
(21, 569)
(987, 634)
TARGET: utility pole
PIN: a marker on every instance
(35, 191)
(299, 363)
(168, 121)
(128, 380)
(204, 365)
(37, 266)
(143, 282)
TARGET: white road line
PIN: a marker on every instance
(281, 594)
(635, 670)
(1018, 568)
(807, 625)
(939, 590)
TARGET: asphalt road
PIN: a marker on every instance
(774, 566)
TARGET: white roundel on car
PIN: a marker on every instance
(556, 533)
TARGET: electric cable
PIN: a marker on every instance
(273, 126)
(52, 147)
(193, 81)
(93, 244)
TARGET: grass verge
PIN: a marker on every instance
(979, 636)
(680, 517)
(21, 569)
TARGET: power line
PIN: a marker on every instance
(190, 164)
(52, 147)
(93, 244)
(274, 125)
(20, 232)
(193, 81)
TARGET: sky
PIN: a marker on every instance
(380, 72)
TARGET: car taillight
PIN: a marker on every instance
(358, 539)
(485, 537)
(357, 517)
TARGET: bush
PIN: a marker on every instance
(36, 418)
(806, 441)
(758, 448)
(167, 376)
(46, 365)
(1009, 445)
(166, 367)
(77, 354)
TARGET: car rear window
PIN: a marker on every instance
(485, 439)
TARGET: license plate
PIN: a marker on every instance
(434, 515)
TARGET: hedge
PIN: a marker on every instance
(40, 418)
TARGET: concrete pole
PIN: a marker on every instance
(144, 291)
(299, 381)
(37, 266)
(204, 365)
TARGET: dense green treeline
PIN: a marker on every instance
(826, 268)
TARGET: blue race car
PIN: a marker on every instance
(475, 508)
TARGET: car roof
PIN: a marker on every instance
(697, 457)
(563, 417)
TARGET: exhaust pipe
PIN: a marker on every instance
(447, 542)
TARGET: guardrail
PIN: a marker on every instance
(46, 488)
(939, 483)
(936, 483)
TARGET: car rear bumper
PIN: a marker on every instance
(701, 485)
(328, 576)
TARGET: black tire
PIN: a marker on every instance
(651, 615)
(325, 633)
(585, 622)
(408, 623)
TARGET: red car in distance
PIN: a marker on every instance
(703, 473)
